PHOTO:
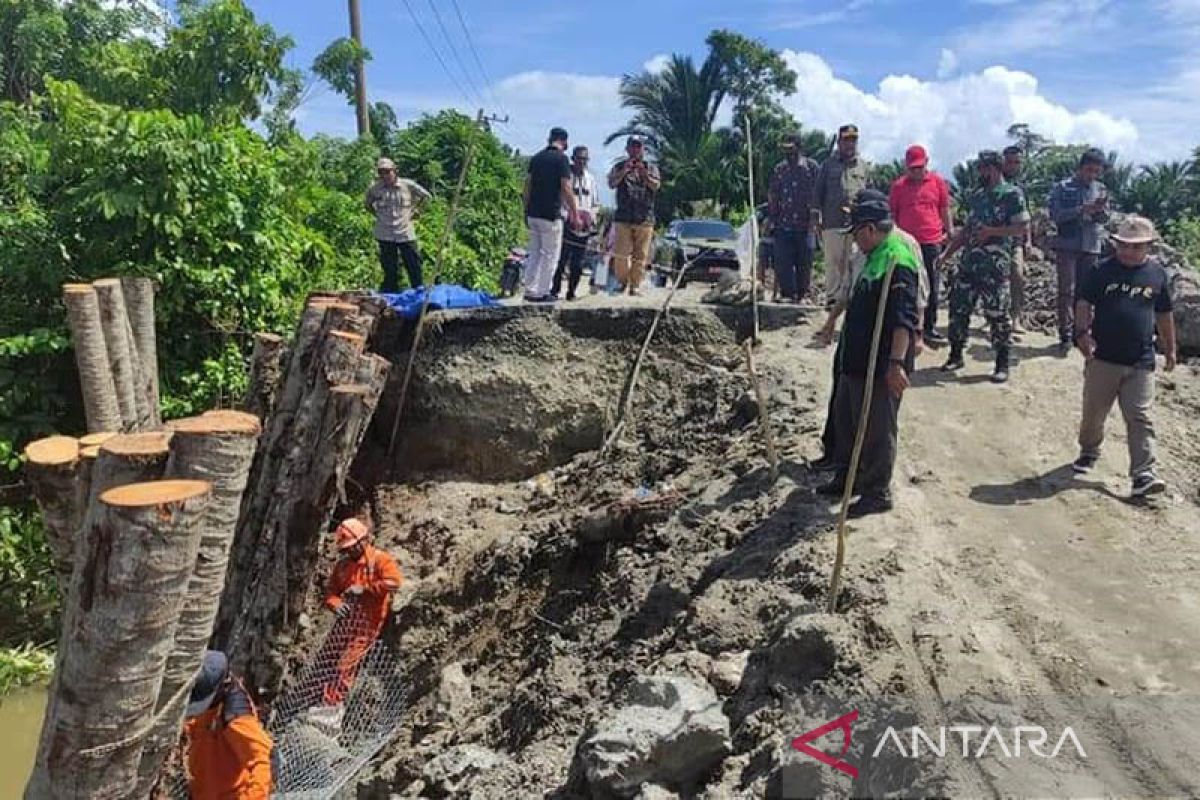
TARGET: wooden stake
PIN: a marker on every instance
(133, 570)
(764, 419)
(216, 448)
(860, 435)
(91, 357)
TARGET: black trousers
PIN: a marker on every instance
(390, 254)
(829, 435)
(929, 254)
(571, 258)
(878, 459)
(793, 263)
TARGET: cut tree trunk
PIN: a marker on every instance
(216, 448)
(134, 566)
(122, 355)
(139, 302)
(53, 466)
(129, 458)
(91, 357)
(266, 374)
(323, 487)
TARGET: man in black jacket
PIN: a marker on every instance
(874, 232)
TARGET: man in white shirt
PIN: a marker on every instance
(575, 242)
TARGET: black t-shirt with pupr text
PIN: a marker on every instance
(1126, 300)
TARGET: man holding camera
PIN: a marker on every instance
(636, 183)
(1079, 208)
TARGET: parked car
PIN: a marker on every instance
(710, 245)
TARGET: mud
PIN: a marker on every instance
(534, 595)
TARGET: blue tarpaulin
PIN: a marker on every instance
(445, 295)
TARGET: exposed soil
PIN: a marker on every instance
(998, 575)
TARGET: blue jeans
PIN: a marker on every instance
(793, 263)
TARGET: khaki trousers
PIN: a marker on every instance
(631, 253)
(1133, 389)
(839, 249)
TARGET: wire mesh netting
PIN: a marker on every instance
(343, 708)
(346, 703)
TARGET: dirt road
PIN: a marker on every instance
(1001, 590)
(1022, 581)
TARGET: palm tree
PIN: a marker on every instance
(1162, 192)
(674, 112)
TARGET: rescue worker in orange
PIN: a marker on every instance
(360, 593)
(229, 752)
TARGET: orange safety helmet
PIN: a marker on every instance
(350, 532)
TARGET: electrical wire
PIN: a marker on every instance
(437, 15)
(436, 54)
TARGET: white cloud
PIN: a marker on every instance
(1038, 26)
(954, 118)
(947, 64)
(657, 64)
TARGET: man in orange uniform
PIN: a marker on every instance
(360, 593)
(229, 752)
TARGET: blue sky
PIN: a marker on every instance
(952, 76)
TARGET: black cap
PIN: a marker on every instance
(558, 134)
(1093, 155)
(849, 130)
(869, 206)
(790, 140)
(989, 158)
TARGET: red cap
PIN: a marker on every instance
(916, 156)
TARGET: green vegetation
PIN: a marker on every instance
(126, 153)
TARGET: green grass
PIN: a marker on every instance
(24, 666)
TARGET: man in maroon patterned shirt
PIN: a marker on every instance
(789, 205)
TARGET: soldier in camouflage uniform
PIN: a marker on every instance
(997, 222)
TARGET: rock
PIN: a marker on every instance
(653, 791)
(1185, 290)
(691, 663)
(726, 671)
(670, 731)
(449, 773)
(745, 410)
(454, 693)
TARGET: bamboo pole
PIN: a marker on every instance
(753, 236)
(132, 574)
(91, 357)
(860, 436)
(764, 419)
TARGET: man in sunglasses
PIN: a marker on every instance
(575, 242)
(393, 200)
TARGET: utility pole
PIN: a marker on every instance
(360, 73)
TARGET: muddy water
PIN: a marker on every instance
(20, 722)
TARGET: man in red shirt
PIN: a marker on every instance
(920, 203)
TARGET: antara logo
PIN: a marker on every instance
(977, 742)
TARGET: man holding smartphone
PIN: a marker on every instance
(636, 183)
(1079, 208)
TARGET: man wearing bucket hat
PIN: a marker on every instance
(1123, 303)
(871, 226)
(997, 221)
(228, 751)
(360, 593)
(393, 200)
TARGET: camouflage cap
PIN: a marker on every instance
(990, 158)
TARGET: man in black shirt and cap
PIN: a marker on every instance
(890, 276)
(547, 192)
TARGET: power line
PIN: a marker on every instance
(437, 15)
(436, 54)
(483, 73)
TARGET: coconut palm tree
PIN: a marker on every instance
(1162, 192)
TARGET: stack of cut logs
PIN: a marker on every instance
(112, 325)
(142, 524)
